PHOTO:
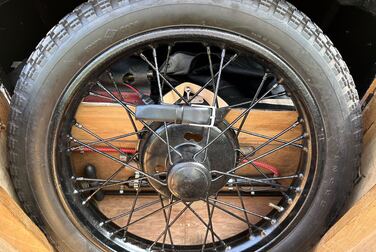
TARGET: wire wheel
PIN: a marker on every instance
(136, 190)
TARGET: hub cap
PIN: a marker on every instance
(189, 181)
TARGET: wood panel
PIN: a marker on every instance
(18, 232)
(188, 229)
(356, 230)
(368, 160)
(5, 181)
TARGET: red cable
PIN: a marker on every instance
(108, 149)
(268, 167)
(265, 166)
(133, 89)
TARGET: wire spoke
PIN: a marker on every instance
(264, 181)
(266, 137)
(106, 140)
(132, 211)
(210, 216)
(283, 93)
(216, 88)
(243, 206)
(170, 225)
(292, 126)
(265, 98)
(161, 99)
(234, 121)
(203, 222)
(167, 63)
(108, 180)
(164, 78)
(122, 99)
(264, 78)
(269, 152)
(83, 128)
(118, 161)
(136, 209)
(109, 185)
(209, 81)
(92, 93)
(146, 216)
(232, 214)
(240, 209)
(167, 220)
(102, 186)
(133, 114)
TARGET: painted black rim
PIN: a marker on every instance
(272, 227)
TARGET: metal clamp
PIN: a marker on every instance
(212, 116)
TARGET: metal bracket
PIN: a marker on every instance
(212, 116)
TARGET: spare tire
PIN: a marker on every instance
(68, 65)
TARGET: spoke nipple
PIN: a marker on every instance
(301, 175)
(305, 149)
(278, 208)
(301, 120)
(263, 233)
(253, 193)
(73, 178)
(298, 189)
(289, 201)
(273, 221)
(75, 191)
(84, 202)
(228, 248)
(305, 135)
(125, 239)
(111, 234)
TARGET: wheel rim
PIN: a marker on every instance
(93, 222)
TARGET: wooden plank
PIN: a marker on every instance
(369, 111)
(188, 229)
(5, 181)
(368, 161)
(356, 230)
(18, 232)
(369, 94)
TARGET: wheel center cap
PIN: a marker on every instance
(189, 181)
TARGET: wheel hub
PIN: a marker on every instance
(187, 177)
